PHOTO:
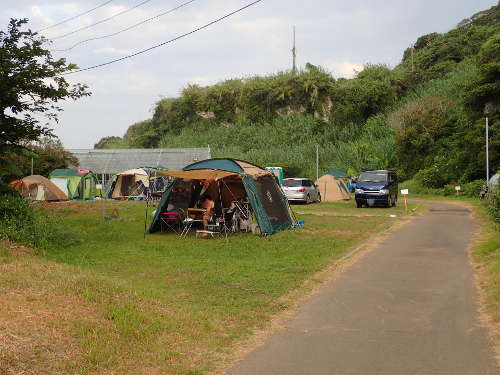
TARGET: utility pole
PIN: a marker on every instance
(317, 162)
(487, 154)
(412, 66)
(294, 53)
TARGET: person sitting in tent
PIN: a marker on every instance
(209, 205)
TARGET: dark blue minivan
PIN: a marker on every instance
(376, 187)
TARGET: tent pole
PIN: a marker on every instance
(146, 218)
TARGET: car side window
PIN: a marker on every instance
(305, 183)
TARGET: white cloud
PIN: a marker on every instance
(344, 69)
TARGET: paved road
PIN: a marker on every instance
(407, 308)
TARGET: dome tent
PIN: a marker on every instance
(331, 186)
(76, 184)
(230, 179)
(38, 188)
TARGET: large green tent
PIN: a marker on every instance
(77, 184)
(228, 180)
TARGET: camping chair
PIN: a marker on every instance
(172, 219)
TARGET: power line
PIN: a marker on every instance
(75, 17)
(126, 29)
(101, 21)
(164, 43)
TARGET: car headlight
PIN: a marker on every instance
(359, 191)
(384, 191)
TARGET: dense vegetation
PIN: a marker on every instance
(31, 86)
(426, 115)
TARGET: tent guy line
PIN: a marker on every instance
(75, 17)
(127, 28)
(164, 43)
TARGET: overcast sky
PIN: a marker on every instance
(338, 35)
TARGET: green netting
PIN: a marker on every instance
(269, 205)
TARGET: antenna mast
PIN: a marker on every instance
(294, 52)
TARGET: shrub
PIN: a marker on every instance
(429, 178)
(25, 224)
(494, 207)
(473, 188)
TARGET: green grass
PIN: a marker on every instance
(178, 306)
(486, 252)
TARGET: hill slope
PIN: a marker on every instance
(426, 114)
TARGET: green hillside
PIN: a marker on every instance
(424, 116)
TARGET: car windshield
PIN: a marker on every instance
(292, 183)
(373, 177)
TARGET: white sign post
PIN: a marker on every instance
(457, 189)
(404, 193)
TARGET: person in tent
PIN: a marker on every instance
(209, 205)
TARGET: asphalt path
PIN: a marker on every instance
(408, 307)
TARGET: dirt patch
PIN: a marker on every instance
(341, 214)
(37, 328)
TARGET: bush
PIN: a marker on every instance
(494, 207)
(429, 178)
(473, 188)
(22, 223)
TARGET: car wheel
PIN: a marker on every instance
(388, 204)
(308, 199)
(359, 204)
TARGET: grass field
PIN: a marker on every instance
(114, 302)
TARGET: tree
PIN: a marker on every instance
(46, 155)
(31, 85)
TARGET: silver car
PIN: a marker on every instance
(301, 190)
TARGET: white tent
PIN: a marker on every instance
(493, 183)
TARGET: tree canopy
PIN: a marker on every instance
(32, 83)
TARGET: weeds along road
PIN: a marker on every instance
(408, 307)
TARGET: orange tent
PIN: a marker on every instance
(38, 188)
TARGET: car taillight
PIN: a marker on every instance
(301, 190)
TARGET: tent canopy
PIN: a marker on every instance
(335, 172)
(228, 180)
(38, 188)
(229, 165)
(199, 174)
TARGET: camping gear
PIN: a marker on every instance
(38, 188)
(236, 185)
(332, 188)
(76, 184)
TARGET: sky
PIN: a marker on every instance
(341, 36)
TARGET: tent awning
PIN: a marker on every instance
(199, 174)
